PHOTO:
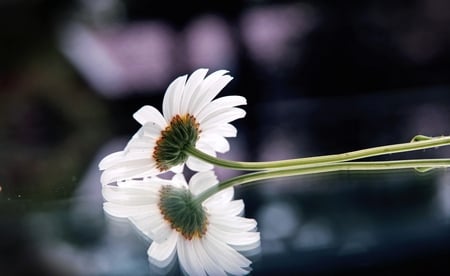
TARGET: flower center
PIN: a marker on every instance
(183, 213)
(181, 133)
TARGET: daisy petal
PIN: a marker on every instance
(129, 163)
(128, 196)
(233, 208)
(226, 130)
(152, 225)
(211, 86)
(221, 198)
(170, 97)
(124, 172)
(149, 114)
(152, 131)
(192, 86)
(211, 267)
(187, 260)
(197, 164)
(110, 160)
(233, 224)
(164, 251)
(201, 181)
(177, 169)
(178, 180)
(124, 211)
(219, 105)
(229, 115)
(241, 240)
(134, 154)
(227, 257)
(152, 184)
(217, 142)
(155, 227)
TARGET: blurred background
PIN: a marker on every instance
(320, 78)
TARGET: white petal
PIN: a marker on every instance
(141, 151)
(206, 261)
(197, 164)
(210, 87)
(233, 224)
(233, 208)
(201, 181)
(194, 258)
(152, 225)
(170, 101)
(221, 198)
(142, 154)
(149, 114)
(225, 256)
(164, 251)
(149, 184)
(227, 116)
(125, 211)
(219, 105)
(127, 172)
(240, 240)
(130, 163)
(179, 180)
(129, 196)
(162, 267)
(172, 98)
(226, 130)
(153, 131)
(191, 88)
(188, 258)
(177, 169)
(217, 142)
(110, 160)
(143, 141)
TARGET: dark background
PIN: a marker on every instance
(320, 78)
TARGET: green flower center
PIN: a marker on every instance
(183, 213)
(181, 133)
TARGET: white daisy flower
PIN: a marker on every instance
(191, 118)
(205, 236)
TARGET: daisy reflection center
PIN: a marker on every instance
(182, 212)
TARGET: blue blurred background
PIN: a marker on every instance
(320, 78)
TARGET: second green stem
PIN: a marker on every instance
(419, 142)
(420, 165)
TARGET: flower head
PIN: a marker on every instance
(191, 118)
(205, 236)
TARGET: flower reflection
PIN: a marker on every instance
(208, 238)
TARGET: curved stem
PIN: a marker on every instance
(418, 143)
(418, 164)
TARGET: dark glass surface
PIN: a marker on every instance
(336, 223)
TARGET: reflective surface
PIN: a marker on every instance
(334, 223)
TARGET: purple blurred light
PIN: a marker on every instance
(270, 33)
(120, 60)
(209, 43)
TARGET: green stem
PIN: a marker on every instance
(419, 164)
(419, 142)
